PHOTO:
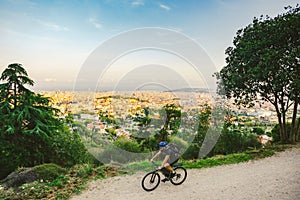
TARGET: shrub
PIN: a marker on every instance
(275, 132)
(68, 149)
(122, 150)
(235, 139)
(127, 145)
(258, 131)
(191, 152)
(49, 171)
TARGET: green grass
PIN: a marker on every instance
(49, 171)
(208, 162)
(66, 184)
(228, 159)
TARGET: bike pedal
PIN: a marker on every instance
(164, 180)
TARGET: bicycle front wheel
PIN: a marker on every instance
(180, 176)
(150, 181)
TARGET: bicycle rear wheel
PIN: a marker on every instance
(179, 177)
(150, 181)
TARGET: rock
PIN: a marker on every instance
(17, 178)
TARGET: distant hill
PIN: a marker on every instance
(198, 90)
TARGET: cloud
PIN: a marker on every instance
(55, 27)
(95, 23)
(50, 79)
(137, 3)
(23, 3)
(165, 7)
(52, 26)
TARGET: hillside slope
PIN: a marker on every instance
(276, 177)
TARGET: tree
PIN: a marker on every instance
(264, 64)
(204, 119)
(31, 132)
(172, 114)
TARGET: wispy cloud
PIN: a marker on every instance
(56, 27)
(165, 7)
(23, 3)
(53, 26)
(50, 79)
(95, 23)
(137, 3)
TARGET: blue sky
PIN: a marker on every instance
(52, 39)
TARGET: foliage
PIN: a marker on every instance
(258, 131)
(204, 120)
(63, 186)
(127, 145)
(172, 115)
(49, 171)
(235, 139)
(228, 159)
(31, 132)
(122, 150)
(209, 162)
(191, 152)
(181, 144)
(68, 149)
(107, 117)
(264, 62)
(275, 132)
(149, 144)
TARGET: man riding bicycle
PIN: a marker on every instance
(169, 160)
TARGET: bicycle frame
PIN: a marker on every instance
(153, 182)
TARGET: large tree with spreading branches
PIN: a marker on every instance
(264, 65)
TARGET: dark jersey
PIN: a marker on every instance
(172, 155)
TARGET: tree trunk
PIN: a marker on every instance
(293, 132)
(297, 130)
(284, 127)
(281, 129)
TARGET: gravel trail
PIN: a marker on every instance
(276, 177)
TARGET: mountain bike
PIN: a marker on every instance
(152, 179)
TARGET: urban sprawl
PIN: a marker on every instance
(86, 106)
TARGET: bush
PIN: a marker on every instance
(9, 160)
(68, 149)
(127, 145)
(258, 131)
(122, 150)
(235, 139)
(192, 152)
(49, 171)
(275, 132)
(149, 144)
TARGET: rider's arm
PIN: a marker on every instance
(155, 156)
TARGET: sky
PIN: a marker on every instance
(53, 40)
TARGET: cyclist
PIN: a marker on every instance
(169, 159)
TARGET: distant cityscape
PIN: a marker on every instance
(87, 105)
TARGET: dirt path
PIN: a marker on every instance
(276, 177)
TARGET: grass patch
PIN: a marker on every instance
(49, 171)
(66, 184)
(228, 159)
(139, 166)
(217, 160)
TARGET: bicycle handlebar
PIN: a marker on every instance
(157, 167)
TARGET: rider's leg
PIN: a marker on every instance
(168, 167)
